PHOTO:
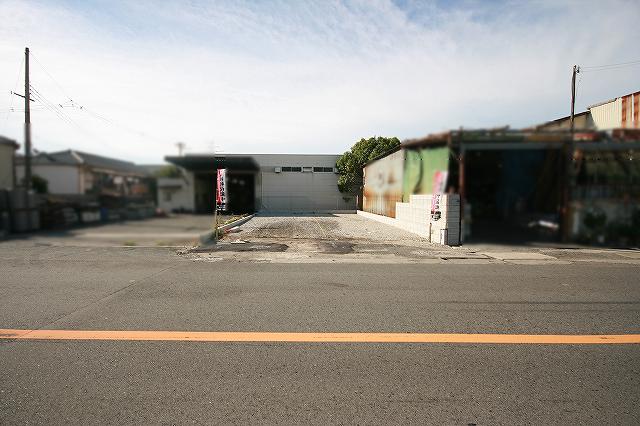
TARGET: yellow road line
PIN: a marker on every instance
(222, 336)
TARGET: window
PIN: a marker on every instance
(307, 169)
(323, 169)
(286, 169)
(296, 169)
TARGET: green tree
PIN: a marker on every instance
(39, 184)
(351, 162)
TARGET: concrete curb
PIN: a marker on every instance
(207, 237)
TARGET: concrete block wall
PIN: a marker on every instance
(449, 207)
(415, 216)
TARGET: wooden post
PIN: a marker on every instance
(27, 123)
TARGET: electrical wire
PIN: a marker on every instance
(58, 109)
(89, 112)
(11, 94)
(50, 105)
(612, 65)
(51, 77)
(609, 67)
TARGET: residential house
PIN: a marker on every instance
(75, 172)
(8, 149)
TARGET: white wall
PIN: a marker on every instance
(181, 192)
(415, 216)
(6, 166)
(298, 191)
(63, 179)
(301, 192)
(608, 116)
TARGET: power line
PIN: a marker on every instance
(630, 63)
(51, 77)
(11, 96)
(58, 109)
(92, 113)
(50, 105)
(611, 67)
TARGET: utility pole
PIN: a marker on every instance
(27, 124)
(180, 146)
(568, 164)
(576, 70)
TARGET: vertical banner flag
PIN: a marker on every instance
(221, 190)
(439, 186)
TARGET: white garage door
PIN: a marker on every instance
(302, 192)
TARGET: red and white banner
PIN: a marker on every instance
(221, 189)
(439, 186)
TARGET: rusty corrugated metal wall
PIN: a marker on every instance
(383, 181)
(408, 171)
(622, 112)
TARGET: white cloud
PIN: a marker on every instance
(306, 77)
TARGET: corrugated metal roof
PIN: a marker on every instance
(506, 136)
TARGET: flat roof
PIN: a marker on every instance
(201, 163)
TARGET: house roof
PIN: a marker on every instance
(7, 141)
(76, 158)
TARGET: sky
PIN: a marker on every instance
(301, 76)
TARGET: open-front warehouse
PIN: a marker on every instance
(517, 186)
(260, 182)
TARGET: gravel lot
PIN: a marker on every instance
(326, 227)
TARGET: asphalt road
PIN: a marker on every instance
(109, 288)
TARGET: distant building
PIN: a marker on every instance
(175, 194)
(8, 148)
(259, 182)
(582, 122)
(76, 172)
(620, 113)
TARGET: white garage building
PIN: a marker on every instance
(260, 182)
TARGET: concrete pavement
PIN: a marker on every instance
(102, 288)
(176, 231)
(350, 238)
(69, 286)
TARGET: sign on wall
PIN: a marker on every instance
(221, 190)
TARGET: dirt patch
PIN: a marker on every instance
(335, 247)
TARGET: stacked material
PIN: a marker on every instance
(435, 217)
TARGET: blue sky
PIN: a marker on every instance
(302, 76)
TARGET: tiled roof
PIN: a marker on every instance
(73, 157)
